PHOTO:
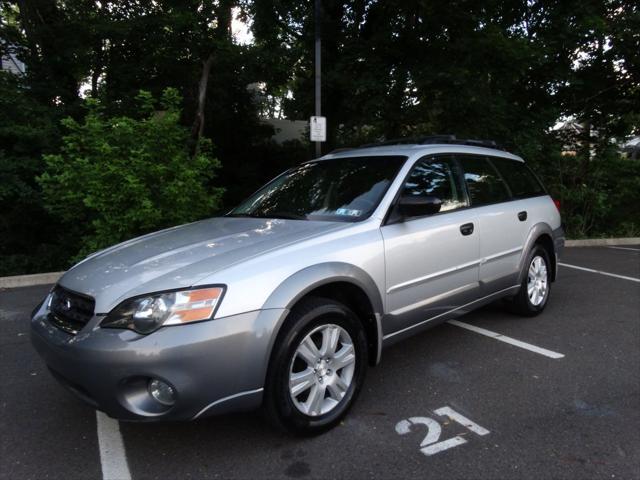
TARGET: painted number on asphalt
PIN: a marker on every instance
(431, 445)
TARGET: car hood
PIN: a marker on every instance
(181, 256)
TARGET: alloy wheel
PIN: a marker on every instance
(537, 281)
(322, 370)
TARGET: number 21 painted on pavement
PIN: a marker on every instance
(430, 444)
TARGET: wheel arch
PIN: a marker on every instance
(540, 234)
(339, 281)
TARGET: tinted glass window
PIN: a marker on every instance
(484, 184)
(342, 189)
(436, 177)
(520, 179)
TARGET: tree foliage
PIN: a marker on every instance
(507, 70)
(118, 177)
(27, 128)
(109, 51)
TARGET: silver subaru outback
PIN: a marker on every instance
(286, 300)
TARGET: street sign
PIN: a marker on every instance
(318, 129)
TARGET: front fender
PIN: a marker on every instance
(304, 281)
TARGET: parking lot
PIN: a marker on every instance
(559, 397)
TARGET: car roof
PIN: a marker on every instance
(413, 150)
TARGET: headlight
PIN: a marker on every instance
(147, 313)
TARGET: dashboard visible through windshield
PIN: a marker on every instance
(342, 189)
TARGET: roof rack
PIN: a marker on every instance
(412, 140)
(435, 139)
(341, 149)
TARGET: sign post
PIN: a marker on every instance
(318, 73)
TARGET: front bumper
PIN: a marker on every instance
(215, 366)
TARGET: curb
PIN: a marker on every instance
(29, 280)
(602, 242)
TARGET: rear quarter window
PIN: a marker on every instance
(522, 182)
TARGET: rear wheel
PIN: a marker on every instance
(317, 368)
(536, 284)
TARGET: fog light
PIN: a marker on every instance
(162, 392)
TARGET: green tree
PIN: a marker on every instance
(28, 234)
(399, 67)
(504, 70)
(109, 51)
(118, 177)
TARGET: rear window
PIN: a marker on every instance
(483, 181)
(520, 179)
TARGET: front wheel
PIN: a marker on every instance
(536, 284)
(317, 368)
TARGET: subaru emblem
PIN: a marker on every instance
(66, 305)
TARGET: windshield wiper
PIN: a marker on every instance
(240, 215)
(284, 215)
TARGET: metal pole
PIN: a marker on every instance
(318, 73)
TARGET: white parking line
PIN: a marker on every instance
(627, 248)
(112, 455)
(509, 340)
(615, 275)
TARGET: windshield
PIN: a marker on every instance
(343, 189)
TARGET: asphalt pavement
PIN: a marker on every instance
(448, 403)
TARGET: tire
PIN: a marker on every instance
(531, 304)
(334, 383)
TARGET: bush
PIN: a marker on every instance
(599, 195)
(120, 177)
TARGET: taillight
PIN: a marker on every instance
(557, 203)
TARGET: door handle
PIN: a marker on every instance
(466, 229)
(522, 216)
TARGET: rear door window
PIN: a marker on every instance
(520, 179)
(483, 181)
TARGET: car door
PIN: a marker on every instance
(431, 261)
(502, 232)
(525, 205)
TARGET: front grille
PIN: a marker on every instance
(70, 311)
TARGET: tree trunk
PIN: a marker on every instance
(98, 66)
(222, 33)
(198, 123)
(48, 55)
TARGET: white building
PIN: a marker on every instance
(9, 62)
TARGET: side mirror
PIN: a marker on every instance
(418, 205)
